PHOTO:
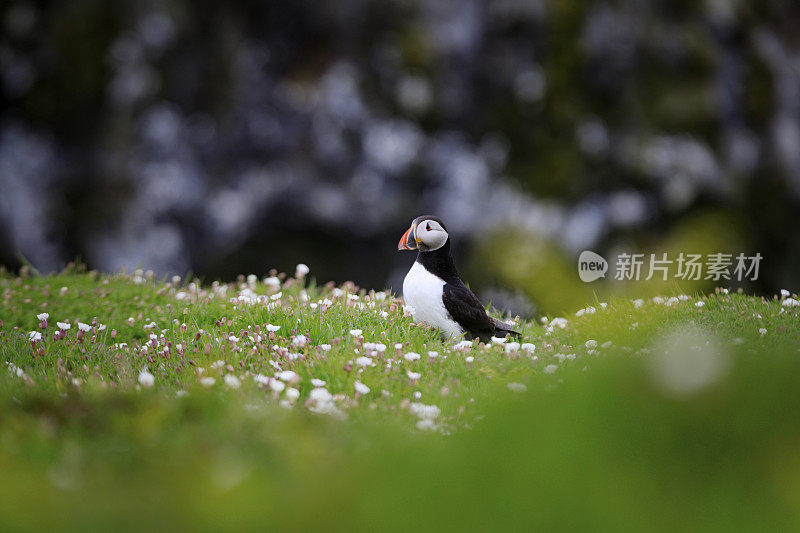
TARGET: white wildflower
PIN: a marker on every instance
(276, 385)
(790, 302)
(591, 343)
(43, 316)
(318, 382)
(528, 347)
(762, 331)
(784, 294)
(425, 412)
(146, 379)
(512, 347)
(355, 332)
(301, 270)
(325, 347)
(272, 282)
(320, 395)
(34, 336)
(207, 381)
(426, 424)
(286, 375)
(517, 387)
(232, 381)
(699, 304)
(15, 370)
(498, 340)
(363, 361)
(637, 303)
(300, 340)
(360, 388)
(261, 379)
(411, 356)
(63, 326)
(549, 369)
(291, 394)
(84, 327)
(413, 375)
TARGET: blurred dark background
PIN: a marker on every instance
(222, 138)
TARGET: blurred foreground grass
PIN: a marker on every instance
(678, 413)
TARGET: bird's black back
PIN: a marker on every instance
(460, 302)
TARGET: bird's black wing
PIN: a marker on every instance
(465, 308)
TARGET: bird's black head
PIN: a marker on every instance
(427, 233)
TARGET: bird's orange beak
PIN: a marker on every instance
(407, 241)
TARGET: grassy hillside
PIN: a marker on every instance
(280, 404)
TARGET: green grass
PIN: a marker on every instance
(648, 415)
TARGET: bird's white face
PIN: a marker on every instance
(425, 235)
(430, 235)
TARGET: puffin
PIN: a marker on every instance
(434, 291)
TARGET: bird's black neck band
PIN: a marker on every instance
(439, 262)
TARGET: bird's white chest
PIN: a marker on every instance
(422, 292)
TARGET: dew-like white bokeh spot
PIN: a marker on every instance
(688, 360)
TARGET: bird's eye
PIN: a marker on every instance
(428, 226)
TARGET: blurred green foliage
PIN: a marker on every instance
(605, 437)
(597, 450)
